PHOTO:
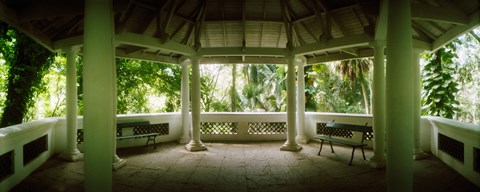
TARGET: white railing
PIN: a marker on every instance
(17, 163)
(13, 138)
(460, 148)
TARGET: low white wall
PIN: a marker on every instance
(13, 138)
(312, 118)
(174, 121)
(243, 119)
(468, 134)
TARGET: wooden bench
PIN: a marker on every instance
(140, 130)
(332, 126)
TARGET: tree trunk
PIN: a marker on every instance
(234, 88)
(25, 74)
(365, 97)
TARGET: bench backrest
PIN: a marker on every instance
(351, 127)
(364, 129)
(132, 124)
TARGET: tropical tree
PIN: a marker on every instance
(357, 70)
(468, 77)
(27, 63)
(327, 91)
(264, 87)
(439, 86)
(142, 86)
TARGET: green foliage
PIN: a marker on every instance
(27, 64)
(141, 87)
(265, 88)
(439, 86)
(327, 91)
(356, 70)
(468, 77)
(51, 100)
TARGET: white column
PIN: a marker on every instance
(99, 95)
(195, 144)
(417, 109)
(399, 97)
(71, 152)
(291, 144)
(185, 138)
(301, 138)
(378, 105)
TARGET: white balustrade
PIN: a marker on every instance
(237, 127)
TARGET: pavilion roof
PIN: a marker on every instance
(242, 31)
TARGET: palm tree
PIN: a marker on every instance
(264, 87)
(356, 69)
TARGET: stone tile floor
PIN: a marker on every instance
(232, 167)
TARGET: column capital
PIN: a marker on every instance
(196, 57)
(183, 60)
(378, 44)
(290, 57)
(417, 50)
(301, 60)
(73, 49)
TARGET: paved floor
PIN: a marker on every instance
(243, 167)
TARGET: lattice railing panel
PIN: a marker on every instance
(322, 130)
(6, 165)
(33, 149)
(219, 128)
(79, 136)
(451, 146)
(369, 136)
(266, 128)
(160, 128)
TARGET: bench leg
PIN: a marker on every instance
(363, 153)
(331, 147)
(152, 138)
(321, 144)
(351, 159)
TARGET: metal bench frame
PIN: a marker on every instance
(358, 128)
(150, 136)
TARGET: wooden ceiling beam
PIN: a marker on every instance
(198, 25)
(60, 8)
(334, 44)
(431, 13)
(420, 29)
(239, 51)
(10, 16)
(287, 23)
(340, 56)
(153, 43)
(164, 23)
(244, 25)
(122, 53)
(454, 32)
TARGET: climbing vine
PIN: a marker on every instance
(27, 62)
(439, 86)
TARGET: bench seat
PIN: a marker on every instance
(143, 126)
(331, 126)
(340, 141)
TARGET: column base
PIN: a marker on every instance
(72, 156)
(291, 146)
(302, 139)
(419, 154)
(118, 163)
(184, 140)
(195, 146)
(378, 162)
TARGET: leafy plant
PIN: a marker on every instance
(439, 86)
(27, 63)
